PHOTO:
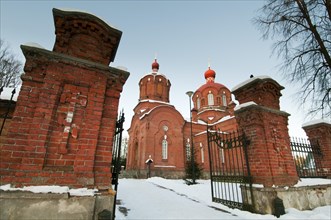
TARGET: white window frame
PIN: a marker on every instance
(210, 99)
(202, 153)
(164, 149)
(188, 150)
(224, 100)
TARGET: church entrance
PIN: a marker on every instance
(229, 169)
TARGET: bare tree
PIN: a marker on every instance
(10, 67)
(302, 33)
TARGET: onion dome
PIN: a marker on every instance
(210, 75)
(155, 66)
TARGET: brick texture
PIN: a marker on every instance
(269, 152)
(321, 132)
(68, 104)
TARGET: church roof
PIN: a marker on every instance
(155, 71)
(217, 86)
(210, 81)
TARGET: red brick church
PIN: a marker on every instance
(158, 131)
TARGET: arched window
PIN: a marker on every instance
(198, 103)
(164, 149)
(222, 153)
(188, 150)
(210, 98)
(224, 100)
(202, 154)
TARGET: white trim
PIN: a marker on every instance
(164, 166)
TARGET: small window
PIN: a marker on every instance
(188, 150)
(198, 103)
(224, 100)
(210, 99)
(164, 149)
(202, 154)
(222, 153)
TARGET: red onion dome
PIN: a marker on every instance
(210, 73)
(155, 65)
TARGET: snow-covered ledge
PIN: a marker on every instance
(316, 122)
(244, 105)
(33, 44)
(53, 202)
(249, 81)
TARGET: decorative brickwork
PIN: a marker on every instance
(85, 36)
(321, 131)
(263, 90)
(63, 125)
(269, 152)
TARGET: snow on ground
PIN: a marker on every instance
(52, 189)
(158, 198)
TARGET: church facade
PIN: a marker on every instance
(159, 132)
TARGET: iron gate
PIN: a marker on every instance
(307, 156)
(116, 156)
(231, 182)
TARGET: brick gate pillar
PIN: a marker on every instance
(320, 130)
(64, 122)
(259, 116)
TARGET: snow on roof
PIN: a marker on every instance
(122, 68)
(52, 189)
(249, 81)
(169, 166)
(7, 93)
(201, 122)
(244, 105)
(154, 101)
(210, 109)
(33, 44)
(225, 118)
(315, 122)
(200, 133)
(154, 74)
(141, 117)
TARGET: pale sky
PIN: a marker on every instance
(185, 35)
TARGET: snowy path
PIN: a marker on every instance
(158, 198)
(150, 201)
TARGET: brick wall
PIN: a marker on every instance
(63, 125)
(269, 152)
(321, 131)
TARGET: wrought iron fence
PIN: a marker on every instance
(307, 156)
(5, 108)
(116, 156)
(231, 182)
